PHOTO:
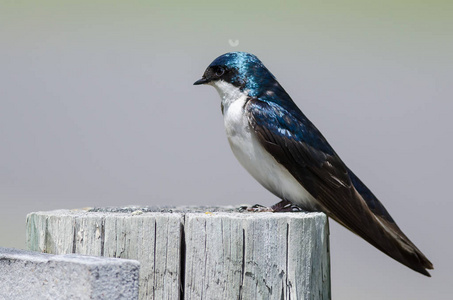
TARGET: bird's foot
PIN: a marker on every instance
(285, 206)
(282, 206)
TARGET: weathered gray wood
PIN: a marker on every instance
(199, 253)
(214, 256)
(154, 239)
(257, 256)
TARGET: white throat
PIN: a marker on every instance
(228, 92)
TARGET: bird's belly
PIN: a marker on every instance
(260, 164)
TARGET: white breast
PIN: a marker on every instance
(252, 156)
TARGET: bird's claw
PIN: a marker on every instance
(282, 206)
(285, 206)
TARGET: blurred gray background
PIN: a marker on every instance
(98, 109)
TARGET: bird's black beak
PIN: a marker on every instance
(201, 81)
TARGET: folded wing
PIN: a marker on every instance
(300, 147)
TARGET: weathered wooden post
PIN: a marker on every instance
(199, 252)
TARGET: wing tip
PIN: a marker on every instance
(422, 265)
(423, 270)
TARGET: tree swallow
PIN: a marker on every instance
(276, 143)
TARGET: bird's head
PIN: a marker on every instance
(239, 71)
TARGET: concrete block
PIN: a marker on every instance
(31, 275)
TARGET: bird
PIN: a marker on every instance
(282, 149)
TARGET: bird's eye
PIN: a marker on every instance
(219, 72)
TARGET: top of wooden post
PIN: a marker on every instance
(199, 252)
